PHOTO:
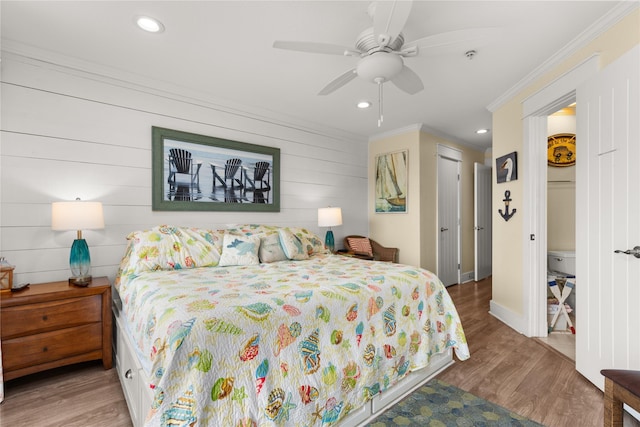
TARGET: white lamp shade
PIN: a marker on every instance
(76, 215)
(329, 217)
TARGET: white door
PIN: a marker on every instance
(448, 215)
(608, 219)
(482, 220)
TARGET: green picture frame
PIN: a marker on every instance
(192, 172)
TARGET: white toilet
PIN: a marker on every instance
(563, 263)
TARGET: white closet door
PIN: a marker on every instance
(482, 221)
(449, 215)
(608, 219)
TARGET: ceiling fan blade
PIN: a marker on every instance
(408, 81)
(339, 81)
(313, 47)
(471, 38)
(389, 19)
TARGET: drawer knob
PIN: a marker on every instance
(128, 375)
(44, 349)
(45, 318)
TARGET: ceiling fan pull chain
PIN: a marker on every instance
(380, 118)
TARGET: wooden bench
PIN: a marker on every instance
(620, 387)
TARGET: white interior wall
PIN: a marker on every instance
(516, 121)
(561, 192)
(414, 232)
(398, 230)
(68, 133)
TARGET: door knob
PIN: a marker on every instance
(443, 229)
(635, 251)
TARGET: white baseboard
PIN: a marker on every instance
(467, 277)
(506, 316)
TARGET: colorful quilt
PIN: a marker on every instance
(292, 342)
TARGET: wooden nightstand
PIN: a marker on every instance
(55, 324)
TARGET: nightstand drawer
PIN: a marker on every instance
(55, 324)
(48, 316)
(50, 346)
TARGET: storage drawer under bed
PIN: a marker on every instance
(132, 377)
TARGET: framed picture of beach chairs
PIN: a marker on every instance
(202, 173)
(391, 182)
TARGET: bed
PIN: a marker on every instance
(259, 325)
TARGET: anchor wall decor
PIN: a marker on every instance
(506, 215)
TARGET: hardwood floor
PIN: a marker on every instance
(518, 373)
(83, 395)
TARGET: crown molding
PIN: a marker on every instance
(417, 127)
(395, 132)
(422, 128)
(11, 50)
(599, 27)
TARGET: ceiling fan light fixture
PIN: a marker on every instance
(149, 24)
(380, 65)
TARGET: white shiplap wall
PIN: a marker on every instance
(68, 133)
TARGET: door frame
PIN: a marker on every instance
(535, 111)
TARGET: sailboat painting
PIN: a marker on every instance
(391, 182)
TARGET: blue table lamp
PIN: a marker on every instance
(78, 215)
(329, 217)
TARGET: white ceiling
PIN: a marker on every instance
(223, 51)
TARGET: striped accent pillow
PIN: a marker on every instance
(360, 245)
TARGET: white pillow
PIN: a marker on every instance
(295, 247)
(239, 250)
(270, 248)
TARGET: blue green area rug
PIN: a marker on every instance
(438, 404)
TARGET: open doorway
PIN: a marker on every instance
(536, 109)
(561, 226)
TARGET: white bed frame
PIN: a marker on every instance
(139, 397)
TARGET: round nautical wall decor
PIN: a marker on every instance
(561, 149)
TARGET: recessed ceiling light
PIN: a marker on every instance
(481, 131)
(149, 24)
(364, 104)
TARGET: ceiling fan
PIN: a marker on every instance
(381, 49)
